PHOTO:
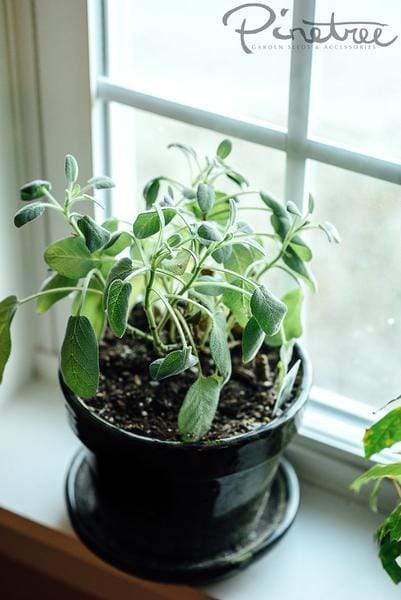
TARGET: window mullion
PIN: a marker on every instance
(298, 107)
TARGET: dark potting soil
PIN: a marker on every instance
(130, 400)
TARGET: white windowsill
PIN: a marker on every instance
(311, 562)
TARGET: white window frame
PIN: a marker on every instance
(333, 424)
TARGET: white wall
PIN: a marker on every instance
(14, 259)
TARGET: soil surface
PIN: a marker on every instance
(129, 399)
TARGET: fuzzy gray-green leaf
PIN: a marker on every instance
(148, 223)
(268, 310)
(29, 213)
(206, 197)
(198, 409)
(219, 347)
(95, 236)
(174, 363)
(70, 169)
(252, 340)
(80, 357)
(35, 190)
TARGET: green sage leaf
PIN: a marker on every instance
(224, 149)
(187, 150)
(209, 233)
(292, 323)
(101, 182)
(198, 409)
(219, 347)
(80, 357)
(151, 191)
(8, 307)
(29, 213)
(70, 257)
(120, 270)
(95, 236)
(252, 340)
(174, 363)
(71, 170)
(118, 242)
(331, 232)
(299, 267)
(268, 310)
(118, 297)
(206, 197)
(148, 223)
(34, 190)
(286, 387)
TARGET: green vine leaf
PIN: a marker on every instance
(148, 223)
(70, 257)
(55, 281)
(8, 307)
(174, 363)
(392, 471)
(252, 340)
(383, 434)
(198, 409)
(95, 236)
(219, 346)
(80, 357)
(29, 213)
(118, 297)
(268, 310)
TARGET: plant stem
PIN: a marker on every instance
(139, 333)
(57, 291)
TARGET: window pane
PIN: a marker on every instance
(354, 321)
(139, 152)
(182, 51)
(356, 92)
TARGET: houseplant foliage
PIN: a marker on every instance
(196, 268)
(381, 435)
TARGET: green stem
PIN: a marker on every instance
(139, 333)
(57, 291)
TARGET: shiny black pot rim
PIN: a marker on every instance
(303, 393)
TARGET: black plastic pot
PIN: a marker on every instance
(179, 512)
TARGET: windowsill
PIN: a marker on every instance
(36, 446)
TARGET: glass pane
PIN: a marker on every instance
(354, 321)
(356, 91)
(182, 51)
(139, 152)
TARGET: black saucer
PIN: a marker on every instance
(99, 529)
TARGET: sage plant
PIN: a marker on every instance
(197, 269)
